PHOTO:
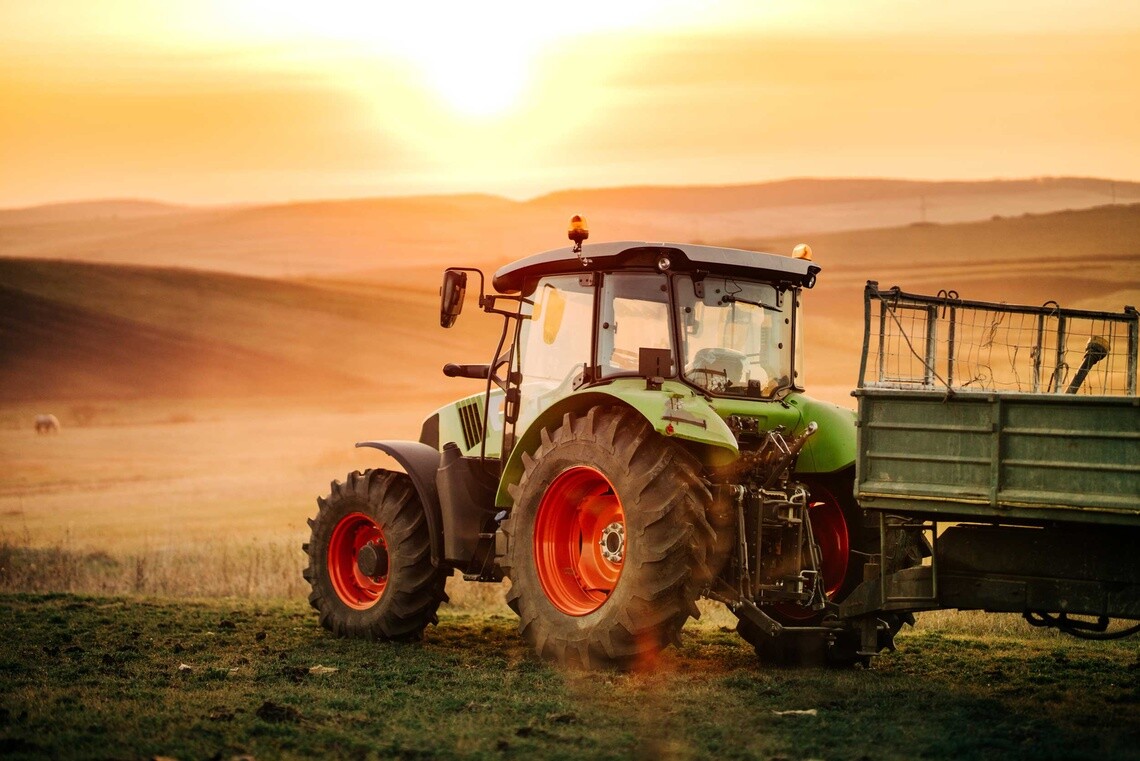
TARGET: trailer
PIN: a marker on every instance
(1008, 437)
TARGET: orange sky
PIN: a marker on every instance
(260, 101)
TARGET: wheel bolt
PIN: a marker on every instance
(613, 542)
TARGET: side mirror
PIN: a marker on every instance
(451, 295)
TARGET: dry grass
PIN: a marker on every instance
(188, 499)
(252, 570)
(216, 503)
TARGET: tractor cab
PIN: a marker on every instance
(720, 322)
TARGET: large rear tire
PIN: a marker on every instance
(370, 559)
(608, 541)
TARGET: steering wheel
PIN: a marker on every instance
(715, 380)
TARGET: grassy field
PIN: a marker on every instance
(93, 677)
(153, 507)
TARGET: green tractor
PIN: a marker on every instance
(642, 440)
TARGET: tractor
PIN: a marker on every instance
(642, 440)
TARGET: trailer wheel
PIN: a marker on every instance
(370, 559)
(608, 541)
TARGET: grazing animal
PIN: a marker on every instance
(47, 424)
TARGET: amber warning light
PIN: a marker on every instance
(578, 231)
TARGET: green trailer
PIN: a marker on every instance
(1009, 438)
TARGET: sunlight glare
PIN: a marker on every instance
(477, 60)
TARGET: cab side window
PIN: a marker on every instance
(634, 316)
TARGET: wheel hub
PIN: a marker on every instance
(372, 560)
(613, 542)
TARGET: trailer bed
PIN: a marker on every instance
(967, 411)
(1015, 457)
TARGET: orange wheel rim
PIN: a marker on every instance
(352, 585)
(829, 528)
(579, 541)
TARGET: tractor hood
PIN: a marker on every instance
(682, 257)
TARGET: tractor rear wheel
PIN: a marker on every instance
(370, 559)
(608, 541)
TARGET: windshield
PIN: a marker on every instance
(554, 337)
(736, 336)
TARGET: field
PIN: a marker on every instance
(204, 411)
(91, 677)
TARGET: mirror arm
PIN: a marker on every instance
(490, 304)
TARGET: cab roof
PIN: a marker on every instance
(683, 257)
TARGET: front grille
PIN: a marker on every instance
(471, 418)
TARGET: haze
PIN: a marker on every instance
(260, 101)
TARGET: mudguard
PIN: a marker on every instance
(830, 450)
(674, 410)
(421, 463)
(833, 448)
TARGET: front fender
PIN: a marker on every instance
(674, 410)
(833, 447)
(420, 462)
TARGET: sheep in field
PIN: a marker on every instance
(47, 424)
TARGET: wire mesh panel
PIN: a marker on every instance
(943, 342)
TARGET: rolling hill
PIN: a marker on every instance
(84, 330)
(377, 236)
(88, 331)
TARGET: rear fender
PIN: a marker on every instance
(832, 448)
(674, 411)
(420, 462)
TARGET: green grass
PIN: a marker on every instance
(87, 677)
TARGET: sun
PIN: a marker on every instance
(474, 78)
(478, 61)
(474, 62)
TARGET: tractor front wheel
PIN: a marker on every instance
(608, 541)
(370, 559)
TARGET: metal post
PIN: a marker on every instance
(866, 331)
(931, 345)
(1038, 351)
(1058, 378)
(950, 357)
(1133, 339)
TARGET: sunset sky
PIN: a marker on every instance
(200, 102)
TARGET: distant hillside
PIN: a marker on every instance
(82, 331)
(1082, 259)
(819, 192)
(57, 350)
(83, 211)
(335, 238)
(1088, 259)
